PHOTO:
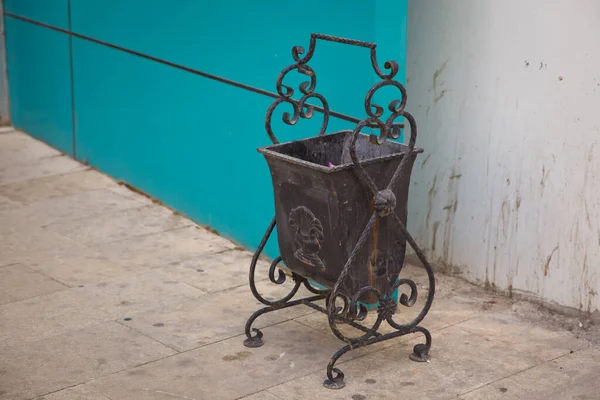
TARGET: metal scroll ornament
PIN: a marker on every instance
(308, 236)
(308, 230)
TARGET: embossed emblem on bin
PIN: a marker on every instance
(308, 236)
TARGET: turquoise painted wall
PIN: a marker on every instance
(188, 140)
(39, 82)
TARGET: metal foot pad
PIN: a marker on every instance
(254, 341)
(420, 353)
(334, 385)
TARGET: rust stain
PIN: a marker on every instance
(425, 161)
(438, 72)
(548, 259)
(240, 355)
(436, 225)
(587, 214)
(437, 96)
(430, 195)
(544, 176)
(374, 256)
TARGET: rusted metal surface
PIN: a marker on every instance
(340, 211)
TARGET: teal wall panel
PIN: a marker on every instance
(185, 139)
(39, 82)
(53, 12)
(249, 42)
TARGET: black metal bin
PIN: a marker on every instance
(320, 203)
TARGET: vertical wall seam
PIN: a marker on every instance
(4, 93)
(73, 115)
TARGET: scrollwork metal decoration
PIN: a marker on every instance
(384, 208)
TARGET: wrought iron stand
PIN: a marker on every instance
(383, 208)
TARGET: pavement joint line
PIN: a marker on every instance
(66, 287)
(340, 362)
(66, 388)
(252, 394)
(163, 358)
(145, 335)
(62, 333)
(344, 362)
(233, 287)
(516, 373)
(142, 235)
(67, 221)
(35, 160)
(39, 178)
(173, 355)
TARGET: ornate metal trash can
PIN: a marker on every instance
(319, 202)
(340, 211)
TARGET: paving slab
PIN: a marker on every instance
(39, 168)
(57, 186)
(120, 225)
(75, 393)
(571, 377)
(68, 208)
(45, 316)
(216, 272)
(31, 244)
(450, 307)
(73, 358)
(528, 338)
(7, 129)
(131, 256)
(264, 395)
(224, 370)
(460, 362)
(167, 247)
(145, 283)
(18, 282)
(87, 265)
(16, 148)
(7, 204)
(195, 323)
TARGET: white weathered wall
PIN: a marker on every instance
(507, 99)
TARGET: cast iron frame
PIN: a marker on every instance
(384, 202)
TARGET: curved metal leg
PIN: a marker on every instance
(335, 377)
(256, 340)
(421, 351)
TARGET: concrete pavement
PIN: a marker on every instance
(107, 295)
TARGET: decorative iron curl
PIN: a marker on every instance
(279, 280)
(313, 289)
(307, 88)
(387, 306)
(332, 311)
(404, 299)
(392, 66)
